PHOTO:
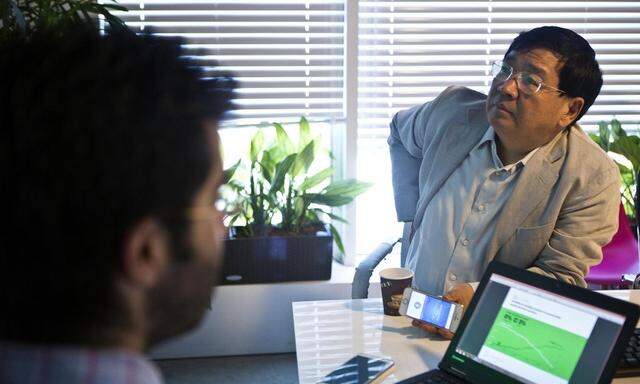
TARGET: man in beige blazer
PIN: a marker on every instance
(509, 176)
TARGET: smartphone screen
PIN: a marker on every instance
(430, 309)
(358, 370)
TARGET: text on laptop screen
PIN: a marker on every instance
(536, 336)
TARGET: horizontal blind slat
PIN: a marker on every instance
(409, 51)
(287, 56)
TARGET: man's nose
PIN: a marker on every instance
(509, 87)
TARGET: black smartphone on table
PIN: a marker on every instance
(360, 369)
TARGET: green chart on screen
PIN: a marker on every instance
(546, 347)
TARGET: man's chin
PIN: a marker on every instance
(186, 323)
(500, 121)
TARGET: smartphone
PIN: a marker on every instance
(360, 369)
(431, 309)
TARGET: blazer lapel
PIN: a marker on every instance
(534, 184)
(452, 150)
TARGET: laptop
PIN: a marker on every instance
(522, 327)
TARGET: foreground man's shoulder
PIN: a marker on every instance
(454, 97)
(460, 92)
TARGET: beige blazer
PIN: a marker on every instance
(564, 207)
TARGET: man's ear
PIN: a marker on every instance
(572, 110)
(145, 253)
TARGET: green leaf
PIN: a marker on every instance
(298, 206)
(616, 130)
(303, 160)
(281, 171)
(284, 142)
(312, 216)
(229, 172)
(603, 129)
(628, 181)
(331, 215)
(257, 144)
(235, 185)
(304, 133)
(330, 200)
(276, 154)
(266, 172)
(337, 238)
(348, 188)
(629, 147)
(596, 139)
(268, 161)
(316, 179)
(267, 166)
(624, 170)
(233, 220)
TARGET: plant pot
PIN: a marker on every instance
(272, 259)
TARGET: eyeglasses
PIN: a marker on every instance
(527, 83)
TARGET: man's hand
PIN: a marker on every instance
(461, 294)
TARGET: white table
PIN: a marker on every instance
(330, 332)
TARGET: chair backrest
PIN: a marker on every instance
(619, 257)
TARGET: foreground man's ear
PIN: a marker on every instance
(572, 111)
(145, 253)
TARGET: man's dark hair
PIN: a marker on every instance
(580, 75)
(96, 133)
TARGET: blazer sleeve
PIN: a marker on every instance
(410, 133)
(586, 223)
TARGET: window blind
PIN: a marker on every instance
(409, 51)
(286, 55)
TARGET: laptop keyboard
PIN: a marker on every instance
(433, 377)
(629, 366)
(630, 361)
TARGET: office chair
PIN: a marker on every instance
(619, 257)
(360, 285)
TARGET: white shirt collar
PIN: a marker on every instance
(490, 136)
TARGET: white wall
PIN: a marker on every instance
(257, 319)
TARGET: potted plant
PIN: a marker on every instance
(23, 17)
(279, 210)
(625, 151)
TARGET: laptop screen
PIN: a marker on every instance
(535, 336)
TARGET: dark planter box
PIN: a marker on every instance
(273, 259)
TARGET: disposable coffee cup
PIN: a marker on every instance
(393, 281)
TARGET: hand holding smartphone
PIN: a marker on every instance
(431, 309)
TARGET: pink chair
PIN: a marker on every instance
(620, 256)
